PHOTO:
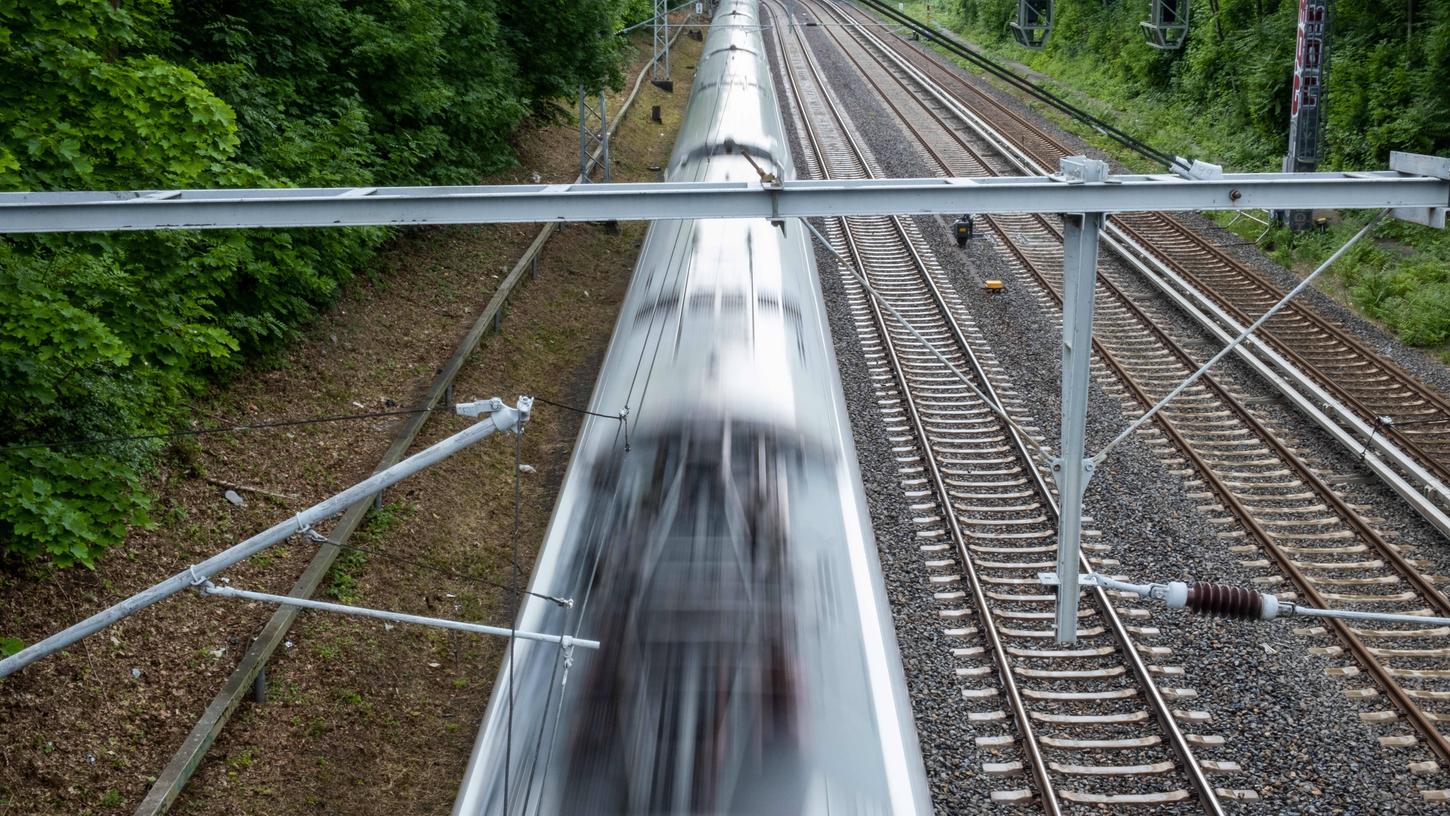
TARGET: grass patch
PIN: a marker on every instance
(346, 570)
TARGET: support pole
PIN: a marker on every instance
(583, 137)
(1306, 107)
(604, 132)
(501, 418)
(660, 72)
(1071, 471)
(593, 137)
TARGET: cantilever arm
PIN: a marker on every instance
(502, 418)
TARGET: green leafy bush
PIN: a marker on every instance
(1225, 98)
(109, 335)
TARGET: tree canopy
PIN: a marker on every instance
(108, 335)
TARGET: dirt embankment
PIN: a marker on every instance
(362, 718)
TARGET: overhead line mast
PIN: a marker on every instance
(1306, 109)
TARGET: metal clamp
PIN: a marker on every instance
(478, 407)
(1196, 170)
(1081, 170)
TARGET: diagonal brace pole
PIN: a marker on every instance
(501, 418)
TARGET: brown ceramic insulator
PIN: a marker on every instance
(1224, 601)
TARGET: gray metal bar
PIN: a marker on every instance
(1072, 471)
(400, 617)
(217, 209)
(503, 420)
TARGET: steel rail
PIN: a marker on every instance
(1033, 753)
(1163, 714)
(1242, 513)
(1340, 388)
(1407, 571)
(1324, 391)
(1206, 791)
(1305, 394)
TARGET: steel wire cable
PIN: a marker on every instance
(513, 619)
(622, 417)
(992, 405)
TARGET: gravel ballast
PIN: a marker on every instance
(1301, 743)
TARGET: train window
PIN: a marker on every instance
(665, 304)
(702, 301)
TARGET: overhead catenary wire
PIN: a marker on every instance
(514, 614)
(622, 417)
(264, 425)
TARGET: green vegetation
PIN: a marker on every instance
(10, 645)
(343, 576)
(109, 335)
(1225, 96)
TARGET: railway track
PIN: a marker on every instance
(1087, 725)
(1392, 406)
(1270, 506)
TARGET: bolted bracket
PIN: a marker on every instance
(504, 417)
(1196, 170)
(1081, 170)
(478, 407)
(1089, 467)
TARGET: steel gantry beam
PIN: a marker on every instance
(365, 206)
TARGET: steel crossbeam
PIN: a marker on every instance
(334, 207)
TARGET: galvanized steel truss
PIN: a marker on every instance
(593, 133)
(661, 29)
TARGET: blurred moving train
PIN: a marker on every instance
(724, 556)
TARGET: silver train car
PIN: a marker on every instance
(724, 557)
